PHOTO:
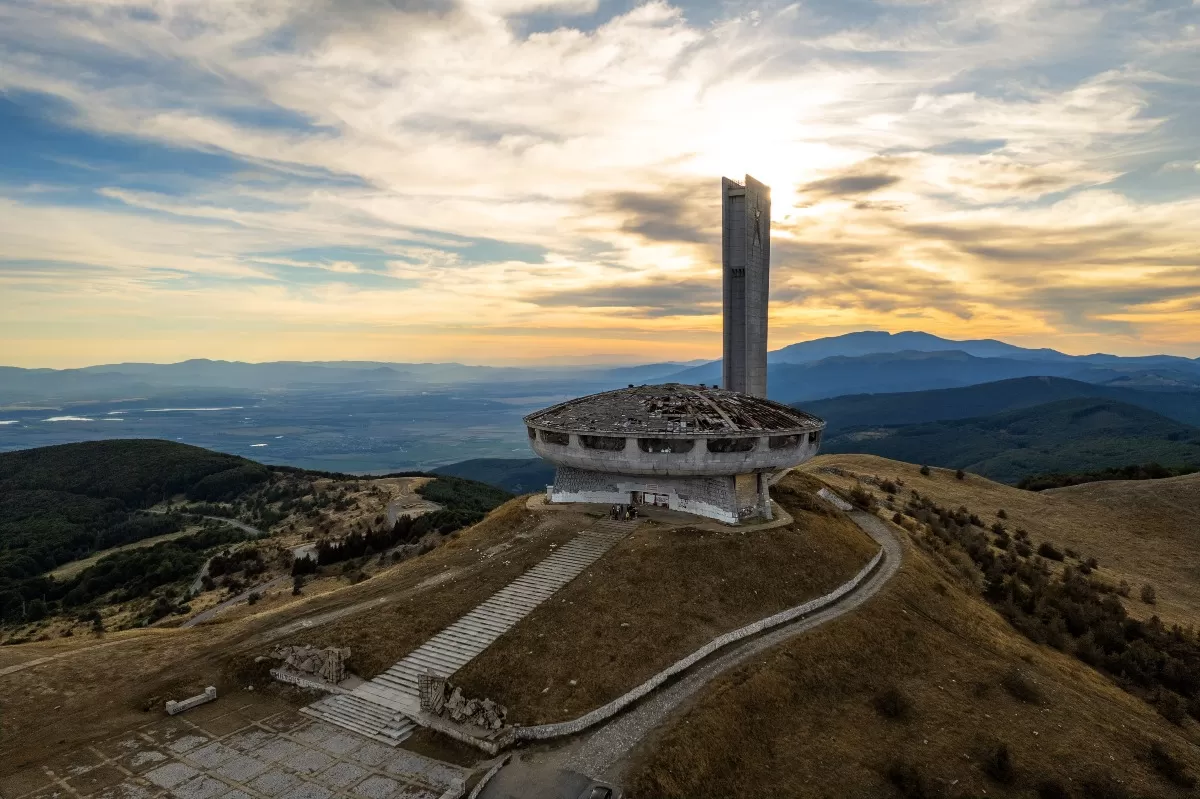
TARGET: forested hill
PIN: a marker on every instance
(518, 475)
(66, 503)
(138, 472)
(1067, 436)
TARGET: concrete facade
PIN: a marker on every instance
(711, 497)
(746, 278)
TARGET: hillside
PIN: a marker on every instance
(517, 475)
(1142, 531)
(985, 399)
(924, 692)
(930, 690)
(127, 532)
(1068, 435)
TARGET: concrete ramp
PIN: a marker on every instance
(381, 707)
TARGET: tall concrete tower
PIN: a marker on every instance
(746, 261)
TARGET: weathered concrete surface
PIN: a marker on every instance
(174, 707)
(223, 751)
(745, 283)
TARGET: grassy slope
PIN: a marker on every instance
(610, 629)
(1142, 531)
(1069, 435)
(104, 683)
(801, 721)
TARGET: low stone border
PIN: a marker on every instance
(487, 777)
(173, 707)
(544, 732)
(304, 681)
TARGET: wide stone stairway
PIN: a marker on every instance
(381, 707)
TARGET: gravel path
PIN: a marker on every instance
(602, 754)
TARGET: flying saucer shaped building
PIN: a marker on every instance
(704, 450)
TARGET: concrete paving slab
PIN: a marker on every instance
(242, 768)
(308, 761)
(274, 783)
(341, 743)
(278, 749)
(341, 775)
(186, 743)
(172, 774)
(371, 754)
(212, 755)
(376, 787)
(200, 787)
(248, 740)
(308, 790)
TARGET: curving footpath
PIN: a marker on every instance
(602, 753)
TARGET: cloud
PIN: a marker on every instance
(487, 166)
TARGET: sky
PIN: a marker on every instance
(505, 181)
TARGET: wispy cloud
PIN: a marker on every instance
(447, 173)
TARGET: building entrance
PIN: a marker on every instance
(650, 498)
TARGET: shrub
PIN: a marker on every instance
(1001, 514)
(1050, 552)
(1170, 767)
(897, 518)
(888, 486)
(1171, 707)
(1103, 786)
(960, 474)
(908, 780)
(253, 598)
(998, 765)
(925, 470)
(1052, 789)
(893, 704)
(1023, 549)
(1149, 595)
(862, 497)
(1020, 687)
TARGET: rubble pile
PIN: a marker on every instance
(328, 664)
(441, 698)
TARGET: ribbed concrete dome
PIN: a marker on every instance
(672, 410)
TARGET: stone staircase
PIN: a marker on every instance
(381, 708)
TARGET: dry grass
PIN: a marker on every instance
(813, 718)
(104, 684)
(1143, 531)
(654, 598)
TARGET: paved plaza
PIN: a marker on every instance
(224, 752)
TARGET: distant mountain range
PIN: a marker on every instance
(868, 361)
(878, 362)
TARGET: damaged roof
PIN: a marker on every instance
(673, 409)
